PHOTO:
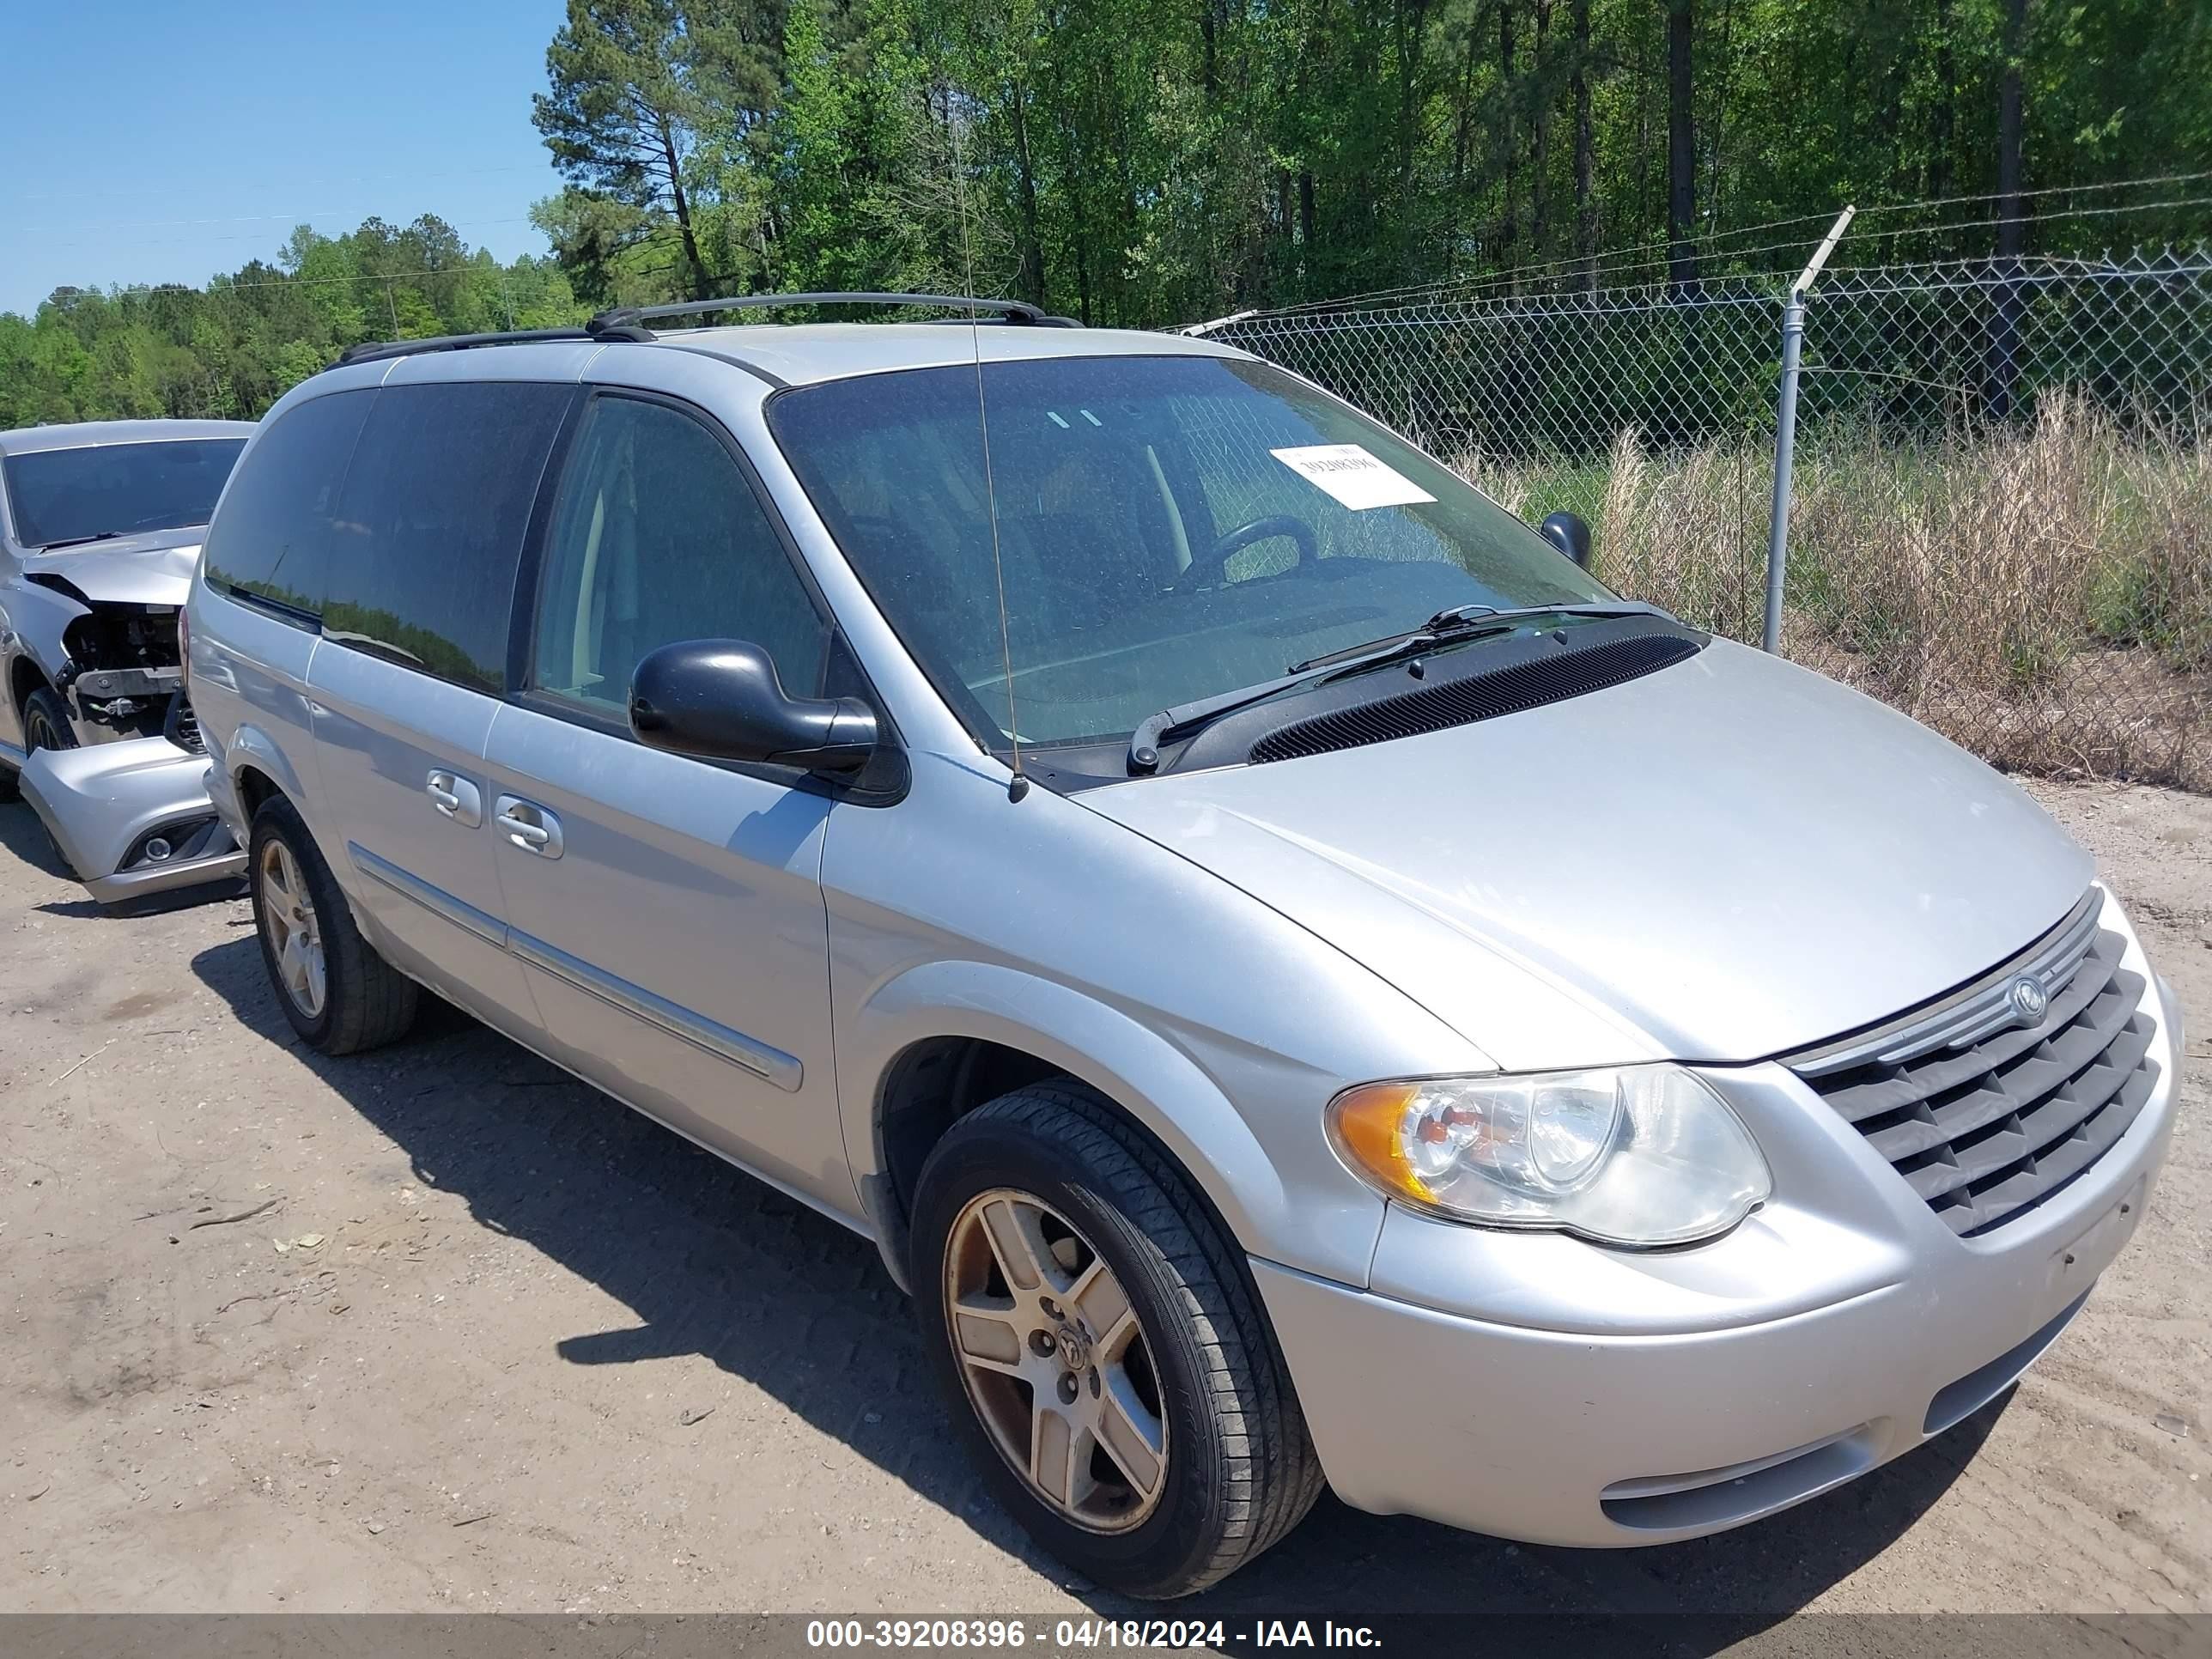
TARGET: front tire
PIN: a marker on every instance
(46, 724)
(1101, 1349)
(47, 721)
(338, 994)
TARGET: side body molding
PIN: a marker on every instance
(765, 1061)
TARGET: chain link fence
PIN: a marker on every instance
(2000, 518)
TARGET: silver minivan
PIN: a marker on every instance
(1301, 982)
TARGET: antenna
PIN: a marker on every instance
(1018, 786)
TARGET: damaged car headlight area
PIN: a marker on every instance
(1639, 1156)
(123, 669)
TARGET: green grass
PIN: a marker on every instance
(2055, 577)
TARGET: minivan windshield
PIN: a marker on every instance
(1168, 528)
(62, 497)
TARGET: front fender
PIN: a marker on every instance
(11, 717)
(32, 621)
(39, 617)
(1132, 1065)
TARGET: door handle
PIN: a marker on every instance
(528, 825)
(455, 798)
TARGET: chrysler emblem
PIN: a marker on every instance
(2029, 1002)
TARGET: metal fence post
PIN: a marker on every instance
(1786, 447)
(1786, 429)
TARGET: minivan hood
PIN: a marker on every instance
(1724, 860)
(153, 566)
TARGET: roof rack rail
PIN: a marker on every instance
(629, 322)
(1011, 311)
(377, 350)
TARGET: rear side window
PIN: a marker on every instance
(272, 537)
(431, 522)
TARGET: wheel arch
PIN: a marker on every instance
(258, 769)
(254, 786)
(25, 676)
(945, 1038)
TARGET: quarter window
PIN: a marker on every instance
(429, 526)
(272, 538)
(657, 537)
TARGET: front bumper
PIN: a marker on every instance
(1531, 1387)
(104, 803)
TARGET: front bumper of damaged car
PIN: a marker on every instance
(132, 817)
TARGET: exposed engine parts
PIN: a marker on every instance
(124, 669)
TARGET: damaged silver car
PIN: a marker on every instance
(100, 525)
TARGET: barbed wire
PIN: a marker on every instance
(2031, 195)
(1657, 250)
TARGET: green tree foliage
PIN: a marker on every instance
(1147, 161)
(635, 83)
(1154, 161)
(232, 348)
(864, 181)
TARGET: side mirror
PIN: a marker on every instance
(720, 699)
(1567, 533)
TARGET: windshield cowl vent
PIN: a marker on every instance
(1507, 691)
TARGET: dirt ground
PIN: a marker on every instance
(486, 1341)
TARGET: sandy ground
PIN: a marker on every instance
(489, 1341)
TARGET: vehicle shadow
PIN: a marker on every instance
(711, 1261)
(22, 834)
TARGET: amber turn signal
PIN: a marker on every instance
(1368, 1123)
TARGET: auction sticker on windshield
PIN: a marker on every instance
(1352, 475)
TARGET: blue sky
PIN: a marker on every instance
(150, 141)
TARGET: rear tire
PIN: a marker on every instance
(338, 994)
(1208, 1382)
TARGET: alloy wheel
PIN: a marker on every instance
(296, 942)
(1056, 1361)
(39, 732)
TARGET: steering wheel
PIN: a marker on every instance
(1207, 566)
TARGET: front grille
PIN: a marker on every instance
(1985, 1117)
(183, 726)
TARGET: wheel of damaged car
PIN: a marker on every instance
(336, 992)
(1100, 1347)
(47, 721)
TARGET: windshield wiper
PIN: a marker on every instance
(1460, 621)
(1186, 717)
(1464, 620)
(79, 541)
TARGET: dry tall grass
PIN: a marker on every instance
(2042, 595)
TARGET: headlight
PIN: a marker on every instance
(1638, 1155)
